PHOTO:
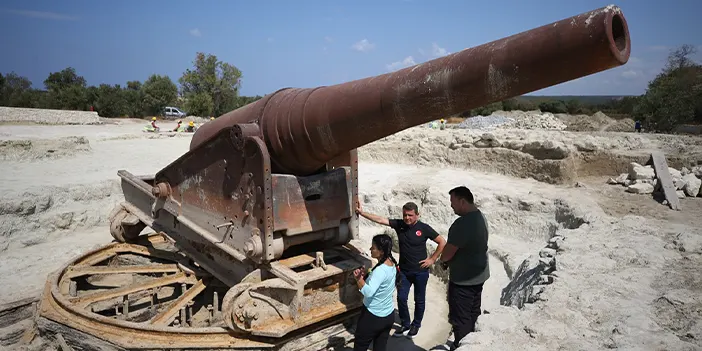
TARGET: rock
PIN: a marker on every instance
(697, 171)
(547, 252)
(680, 193)
(455, 146)
(637, 171)
(674, 173)
(622, 179)
(587, 145)
(678, 183)
(640, 188)
(692, 185)
(653, 182)
(555, 242)
(684, 171)
(487, 140)
(612, 181)
(524, 286)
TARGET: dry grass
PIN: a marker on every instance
(455, 120)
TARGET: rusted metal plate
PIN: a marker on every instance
(305, 204)
(222, 185)
(305, 128)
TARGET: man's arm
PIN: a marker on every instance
(456, 240)
(435, 256)
(375, 218)
(449, 251)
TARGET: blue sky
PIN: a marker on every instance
(308, 43)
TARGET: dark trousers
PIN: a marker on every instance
(419, 280)
(371, 328)
(464, 309)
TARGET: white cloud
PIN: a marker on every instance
(408, 61)
(329, 39)
(43, 15)
(438, 51)
(435, 52)
(195, 32)
(363, 46)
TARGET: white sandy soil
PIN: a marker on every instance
(626, 270)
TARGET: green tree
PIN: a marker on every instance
(110, 101)
(510, 104)
(553, 106)
(573, 106)
(219, 80)
(199, 104)
(134, 98)
(67, 90)
(526, 105)
(487, 109)
(159, 92)
(674, 96)
(16, 91)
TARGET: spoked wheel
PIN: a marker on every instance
(150, 284)
(148, 295)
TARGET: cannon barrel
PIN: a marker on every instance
(304, 128)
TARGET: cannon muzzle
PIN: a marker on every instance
(305, 128)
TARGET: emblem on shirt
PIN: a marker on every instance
(419, 233)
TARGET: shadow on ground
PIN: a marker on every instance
(401, 343)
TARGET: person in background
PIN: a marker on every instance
(377, 317)
(412, 236)
(153, 123)
(637, 126)
(442, 124)
(191, 127)
(177, 126)
(466, 257)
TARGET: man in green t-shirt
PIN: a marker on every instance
(466, 256)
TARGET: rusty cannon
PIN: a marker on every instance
(255, 223)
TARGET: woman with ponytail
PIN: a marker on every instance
(377, 317)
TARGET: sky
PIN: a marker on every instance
(309, 43)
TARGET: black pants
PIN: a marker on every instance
(371, 328)
(464, 309)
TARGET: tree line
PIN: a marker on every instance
(211, 88)
(672, 98)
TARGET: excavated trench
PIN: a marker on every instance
(526, 225)
(526, 231)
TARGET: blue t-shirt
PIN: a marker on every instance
(377, 292)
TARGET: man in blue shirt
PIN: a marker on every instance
(412, 235)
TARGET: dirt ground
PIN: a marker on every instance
(625, 273)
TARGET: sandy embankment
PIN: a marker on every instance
(625, 266)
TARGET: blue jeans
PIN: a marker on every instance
(419, 280)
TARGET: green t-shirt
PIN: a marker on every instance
(469, 233)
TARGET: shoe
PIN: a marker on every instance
(412, 332)
(401, 331)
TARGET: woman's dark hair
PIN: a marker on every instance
(384, 243)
